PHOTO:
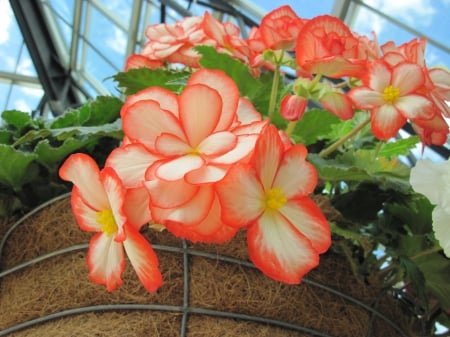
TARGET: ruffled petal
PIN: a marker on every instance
(206, 174)
(200, 109)
(407, 77)
(296, 177)
(105, 261)
(170, 194)
(188, 214)
(366, 98)
(143, 259)
(267, 155)
(415, 106)
(218, 143)
(308, 219)
(243, 149)
(167, 99)
(241, 196)
(116, 196)
(144, 121)
(85, 216)
(279, 250)
(386, 121)
(84, 173)
(176, 169)
(227, 90)
(137, 207)
(171, 145)
(131, 162)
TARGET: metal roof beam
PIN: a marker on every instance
(55, 79)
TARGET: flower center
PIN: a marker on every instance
(275, 198)
(390, 94)
(106, 219)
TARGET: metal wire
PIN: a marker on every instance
(186, 310)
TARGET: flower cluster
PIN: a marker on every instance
(215, 149)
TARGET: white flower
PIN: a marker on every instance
(433, 180)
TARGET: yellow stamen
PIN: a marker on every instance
(390, 94)
(195, 152)
(106, 219)
(274, 198)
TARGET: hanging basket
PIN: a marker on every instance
(209, 290)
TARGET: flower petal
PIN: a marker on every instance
(415, 106)
(188, 214)
(241, 196)
(171, 145)
(84, 173)
(428, 177)
(386, 121)
(267, 155)
(143, 259)
(131, 162)
(243, 149)
(137, 207)
(170, 194)
(308, 219)
(296, 177)
(206, 174)
(339, 104)
(144, 121)
(366, 98)
(218, 143)
(167, 99)
(408, 77)
(441, 228)
(116, 196)
(200, 109)
(279, 250)
(177, 168)
(226, 88)
(85, 216)
(105, 261)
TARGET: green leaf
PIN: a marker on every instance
(315, 125)
(331, 170)
(414, 212)
(73, 117)
(32, 136)
(52, 156)
(399, 147)
(18, 119)
(113, 130)
(6, 137)
(105, 109)
(13, 166)
(436, 269)
(135, 80)
(416, 276)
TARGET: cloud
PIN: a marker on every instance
(411, 12)
(6, 17)
(118, 41)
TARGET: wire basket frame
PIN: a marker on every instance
(186, 309)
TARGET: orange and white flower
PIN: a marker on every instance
(286, 229)
(392, 95)
(99, 201)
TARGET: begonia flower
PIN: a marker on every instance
(292, 107)
(286, 231)
(98, 203)
(279, 28)
(326, 46)
(392, 96)
(432, 180)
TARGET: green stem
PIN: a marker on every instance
(290, 128)
(341, 141)
(426, 252)
(274, 91)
